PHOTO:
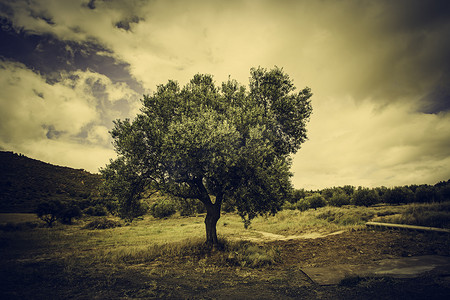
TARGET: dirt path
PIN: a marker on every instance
(271, 237)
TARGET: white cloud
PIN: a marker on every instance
(360, 144)
(47, 121)
(29, 104)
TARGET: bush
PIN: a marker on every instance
(190, 207)
(315, 201)
(297, 195)
(365, 197)
(102, 223)
(96, 210)
(339, 198)
(163, 208)
(302, 204)
(288, 205)
(69, 211)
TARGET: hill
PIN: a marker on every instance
(25, 181)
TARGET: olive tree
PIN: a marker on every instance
(215, 144)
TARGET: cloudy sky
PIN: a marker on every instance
(379, 71)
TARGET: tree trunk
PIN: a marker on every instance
(212, 216)
(212, 212)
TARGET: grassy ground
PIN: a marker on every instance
(166, 258)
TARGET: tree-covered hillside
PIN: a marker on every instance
(24, 182)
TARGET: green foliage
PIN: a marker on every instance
(315, 201)
(339, 198)
(54, 209)
(443, 190)
(69, 211)
(124, 185)
(96, 210)
(190, 207)
(398, 195)
(425, 194)
(365, 197)
(288, 205)
(163, 208)
(297, 195)
(327, 193)
(204, 141)
(303, 204)
(48, 211)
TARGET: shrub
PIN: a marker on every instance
(190, 207)
(96, 210)
(69, 211)
(163, 208)
(302, 204)
(288, 205)
(315, 201)
(297, 195)
(339, 198)
(365, 197)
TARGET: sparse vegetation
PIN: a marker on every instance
(102, 223)
(162, 258)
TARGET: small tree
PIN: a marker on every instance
(214, 144)
(315, 201)
(57, 210)
(48, 211)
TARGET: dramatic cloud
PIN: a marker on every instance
(378, 70)
(76, 111)
(358, 144)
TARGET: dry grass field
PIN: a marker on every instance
(165, 258)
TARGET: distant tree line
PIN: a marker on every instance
(362, 196)
(65, 209)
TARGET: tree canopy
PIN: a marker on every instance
(214, 144)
